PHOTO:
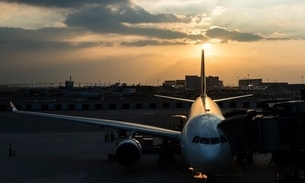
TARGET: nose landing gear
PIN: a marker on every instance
(211, 178)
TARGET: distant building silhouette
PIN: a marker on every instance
(175, 83)
(194, 82)
(69, 84)
(169, 83)
(213, 81)
(248, 82)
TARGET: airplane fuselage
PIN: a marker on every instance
(204, 146)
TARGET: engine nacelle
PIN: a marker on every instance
(128, 152)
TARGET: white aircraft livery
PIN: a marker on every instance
(204, 145)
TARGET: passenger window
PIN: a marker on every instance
(215, 141)
(204, 140)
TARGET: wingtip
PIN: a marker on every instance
(14, 109)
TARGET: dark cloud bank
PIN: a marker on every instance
(119, 17)
(227, 35)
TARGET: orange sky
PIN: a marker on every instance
(141, 41)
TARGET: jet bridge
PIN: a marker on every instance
(281, 132)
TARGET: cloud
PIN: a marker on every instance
(12, 39)
(124, 21)
(225, 35)
(120, 17)
(30, 17)
(258, 3)
(65, 3)
(134, 14)
(265, 18)
(142, 43)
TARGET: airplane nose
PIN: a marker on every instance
(210, 157)
(209, 152)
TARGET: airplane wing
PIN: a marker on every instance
(176, 98)
(215, 100)
(147, 129)
(232, 98)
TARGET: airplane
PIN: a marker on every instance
(205, 147)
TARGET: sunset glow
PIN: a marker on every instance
(207, 47)
(141, 41)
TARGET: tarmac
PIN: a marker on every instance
(48, 150)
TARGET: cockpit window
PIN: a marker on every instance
(215, 141)
(204, 140)
(196, 139)
(223, 139)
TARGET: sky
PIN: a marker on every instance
(147, 42)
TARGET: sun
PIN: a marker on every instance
(206, 46)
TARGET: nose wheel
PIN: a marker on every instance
(211, 178)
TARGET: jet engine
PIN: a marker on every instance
(128, 152)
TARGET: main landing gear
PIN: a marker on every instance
(167, 151)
